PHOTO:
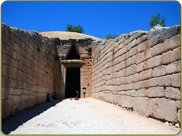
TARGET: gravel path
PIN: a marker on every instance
(91, 116)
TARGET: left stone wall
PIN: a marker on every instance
(27, 72)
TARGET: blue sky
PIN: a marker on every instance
(97, 18)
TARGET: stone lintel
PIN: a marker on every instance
(73, 63)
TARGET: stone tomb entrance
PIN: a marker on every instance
(72, 64)
(72, 82)
(76, 65)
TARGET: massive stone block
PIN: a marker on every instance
(172, 93)
(169, 32)
(171, 56)
(153, 62)
(142, 46)
(155, 92)
(137, 34)
(127, 101)
(5, 92)
(159, 71)
(108, 97)
(145, 74)
(175, 78)
(141, 105)
(153, 41)
(140, 67)
(172, 43)
(141, 39)
(157, 49)
(115, 99)
(165, 109)
(6, 107)
(164, 81)
(172, 68)
(17, 102)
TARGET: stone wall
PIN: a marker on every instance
(27, 74)
(140, 71)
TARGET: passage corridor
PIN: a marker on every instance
(91, 116)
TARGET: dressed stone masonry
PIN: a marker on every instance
(139, 71)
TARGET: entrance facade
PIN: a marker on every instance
(76, 66)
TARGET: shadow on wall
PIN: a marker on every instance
(15, 120)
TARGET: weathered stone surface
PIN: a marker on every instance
(6, 107)
(145, 74)
(139, 58)
(141, 105)
(174, 30)
(145, 83)
(17, 103)
(140, 67)
(178, 104)
(155, 92)
(141, 93)
(159, 71)
(153, 62)
(153, 41)
(164, 81)
(108, 97)
(157, 49)
(18, 91)
(138, 85)
(153, 82)
(128, 71)
(147, 54)
(141, 39)
(171, 56)
(175, 78)
(41, 97)
(115, 99)
(131, 93)
(133, 69)
(172, 93)
(156, 31)
(125, 101)
(128, 62)
(11, 91)
(137, 34)
(133, 51)
(141, 47)
(123, 80)
(165, 109)
(133, 59)
(4, 94)
(172, 43)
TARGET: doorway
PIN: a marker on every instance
(72, 82)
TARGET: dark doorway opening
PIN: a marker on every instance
(72, 54)
(72, 82)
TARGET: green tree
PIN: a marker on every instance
(157, 20)
(69, 28)
(77, 29)
(110, 37)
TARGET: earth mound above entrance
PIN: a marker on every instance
(68, 35)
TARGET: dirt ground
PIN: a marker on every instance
(90, 116)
